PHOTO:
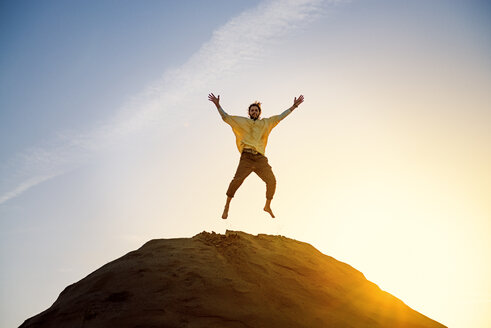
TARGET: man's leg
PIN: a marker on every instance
(265, 172)
(243, 170)
(225, 210)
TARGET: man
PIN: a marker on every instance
(251, 138)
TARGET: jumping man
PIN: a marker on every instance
(251, 137)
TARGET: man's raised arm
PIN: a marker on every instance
(216, 101)
(296, 103)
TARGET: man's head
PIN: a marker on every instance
(255, 110)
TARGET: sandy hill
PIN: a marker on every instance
(231, 280)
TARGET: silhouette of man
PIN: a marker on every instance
(251, 136)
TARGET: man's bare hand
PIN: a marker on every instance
(298, 101)
(213, 99)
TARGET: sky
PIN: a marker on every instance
(108, 140)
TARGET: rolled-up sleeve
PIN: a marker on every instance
(274, 120)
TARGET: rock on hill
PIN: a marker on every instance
(231, 280)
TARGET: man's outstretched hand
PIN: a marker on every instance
(297, 101)
(213, 99)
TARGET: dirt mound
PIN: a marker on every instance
(231, 280)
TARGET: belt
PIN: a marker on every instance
(249, 150)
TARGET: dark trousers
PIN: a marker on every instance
(257, 163)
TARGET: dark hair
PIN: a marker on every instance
(257, 104)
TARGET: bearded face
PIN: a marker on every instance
(254, 112)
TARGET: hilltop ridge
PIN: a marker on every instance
(227, 280)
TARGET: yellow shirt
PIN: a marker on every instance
(253, 134)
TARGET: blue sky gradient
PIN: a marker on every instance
(107, 139)
(72, 63)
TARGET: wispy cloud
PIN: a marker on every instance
(231, 45)
(23, 186)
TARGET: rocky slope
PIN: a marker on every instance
(231, 280)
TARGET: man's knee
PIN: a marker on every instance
(238, 179)
(235, 184)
